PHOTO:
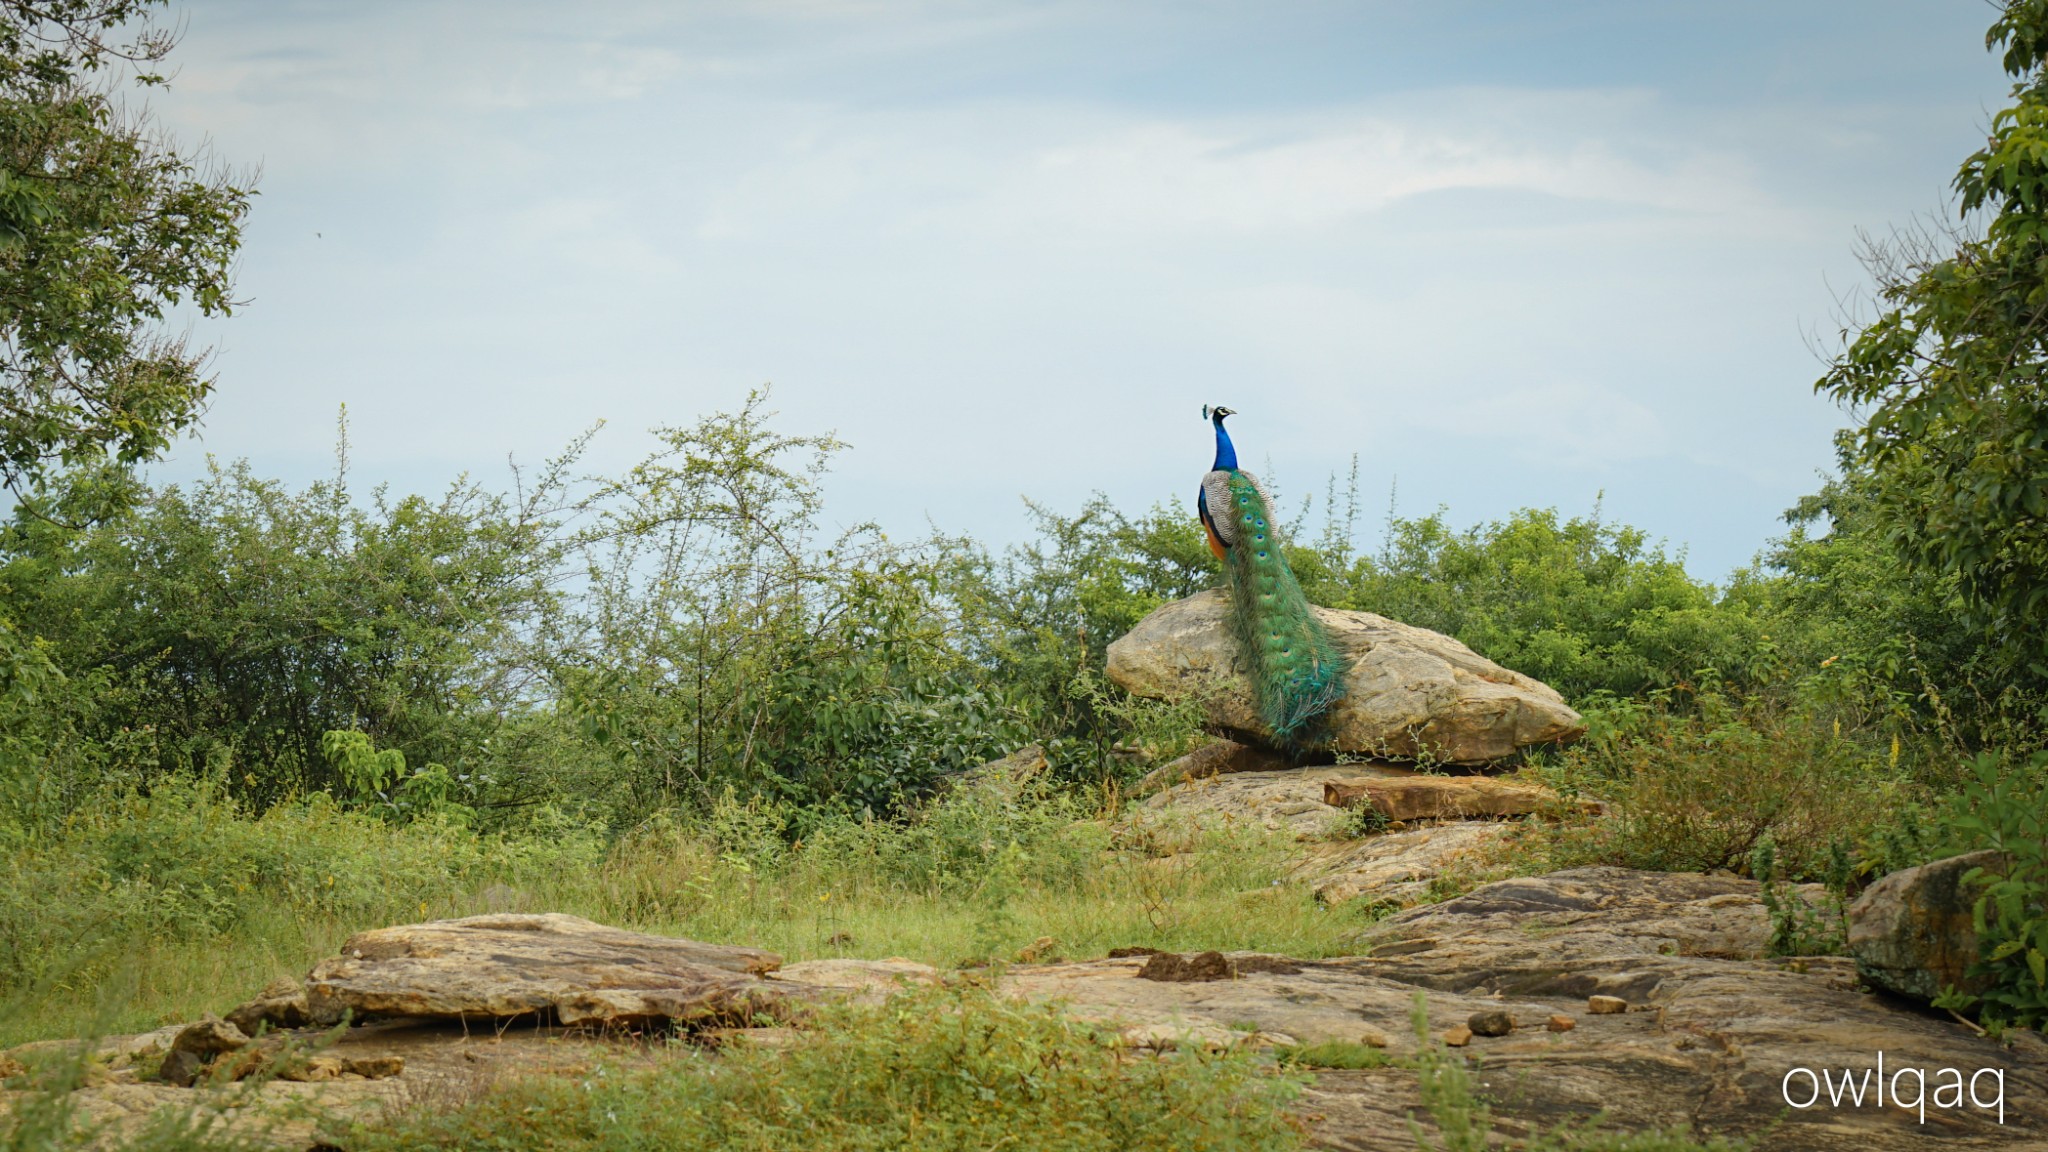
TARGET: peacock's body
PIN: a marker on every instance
(1296, 671)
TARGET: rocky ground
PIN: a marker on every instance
(1647, 996)
(1641, 995)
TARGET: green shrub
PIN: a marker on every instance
(183, 861)
(1696, 779)
(1799, 928)
(1583, 605)
(2006, 809)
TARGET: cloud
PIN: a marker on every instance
(1010, 248)
(1089, 175)
(1572, 424)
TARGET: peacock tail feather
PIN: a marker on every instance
(1297, 672)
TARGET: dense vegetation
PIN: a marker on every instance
(238, 720)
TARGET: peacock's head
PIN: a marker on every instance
(1217, 413)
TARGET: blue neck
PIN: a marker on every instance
(1226, 456)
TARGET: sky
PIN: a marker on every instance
(1575, 254)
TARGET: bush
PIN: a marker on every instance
(1698, 778)
(1583, 605)
(2006, 809)
(184, 862)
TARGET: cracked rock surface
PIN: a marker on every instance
(1712, 1029)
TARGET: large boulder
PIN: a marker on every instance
(1912, 931)
(1412, 693)
(573, 970)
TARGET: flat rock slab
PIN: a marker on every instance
(1411, 694)
(1712, 1031)
(862, 981)
(1439, 797)
(1395, 867)
(572, 970)
(1290, 800)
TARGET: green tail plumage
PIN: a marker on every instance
(1296, 670)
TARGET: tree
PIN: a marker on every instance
(103, 228)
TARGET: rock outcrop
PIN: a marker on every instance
(1411, 694)
(1396, 868)
(1646, 996)
(1912, 931)
(563, 968)
(280, 1006)
(1709, 1031)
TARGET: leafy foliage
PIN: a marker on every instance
(2006, 809)
(1951, 370)
(1582, 604)
(1699, 779)
(103, 227)
(240, 620)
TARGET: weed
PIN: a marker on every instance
(1332, 1054)
(1798, 928)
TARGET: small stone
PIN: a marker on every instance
(251, 1059)
(316, 1070)
(282, 1004)
(1561, 1023)
(377, 1067)
(1044, 950)
(181, 1069)
(1606, 1005)
(1492, 1022)
(1458, 1036)
(209, 1038)
(99, 1076)
(1171, 968)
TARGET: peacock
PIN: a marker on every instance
(1296, 671)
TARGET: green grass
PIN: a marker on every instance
(978, 879)
(1333, 1054)
(943, 1068)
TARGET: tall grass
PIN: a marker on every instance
(164, 907)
